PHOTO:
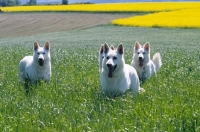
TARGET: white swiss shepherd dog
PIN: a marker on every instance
(116, 76)
(141, 61)
(37, 67)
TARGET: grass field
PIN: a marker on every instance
(73, 100)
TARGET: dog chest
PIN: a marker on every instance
(43, 75)
(115, 85)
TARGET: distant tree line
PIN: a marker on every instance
(32, 2)
(9, 2)
(64, 2)
(17, 2)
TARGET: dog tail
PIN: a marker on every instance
(157, 61)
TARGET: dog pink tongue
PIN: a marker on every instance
(110, 72)
(140, 63)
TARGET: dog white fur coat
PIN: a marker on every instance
(37, 67)
(116, 76)
(141, 61)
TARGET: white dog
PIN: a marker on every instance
(116, 76)
(141, 61)
(37, 67)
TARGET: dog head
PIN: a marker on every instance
(41, 54)
(141, 54)
(113, 59)
(101, 55)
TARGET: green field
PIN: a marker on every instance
(73, 100)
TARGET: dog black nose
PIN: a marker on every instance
(109, 65)
(41, 61)
(140, 58)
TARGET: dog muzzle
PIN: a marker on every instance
(141, 60)
(111, 69)
(41, 61)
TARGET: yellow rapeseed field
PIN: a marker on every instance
(186, 18)
(116, 7)
(162, 14)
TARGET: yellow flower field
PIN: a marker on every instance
(187, 18)
(116, 7)
(163, 14)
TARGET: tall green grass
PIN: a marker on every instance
(73, 100)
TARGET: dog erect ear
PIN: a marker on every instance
(106, 48)
(147, 46)
(101, 49)
(112, 47)
(137, 45)
(47, 46)
(120, 49)
(35, 46)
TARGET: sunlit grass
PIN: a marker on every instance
(73, 100)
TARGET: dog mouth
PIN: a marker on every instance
(141, 60)
(41, 62)
(111, 69)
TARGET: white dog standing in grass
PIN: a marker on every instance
(37, 67)
(116, 76)
(141, 61)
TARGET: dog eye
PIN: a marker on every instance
(107, 57)
(138, 52)
(143, 52)
(38, 53)
(114, 58)
(43, 53)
